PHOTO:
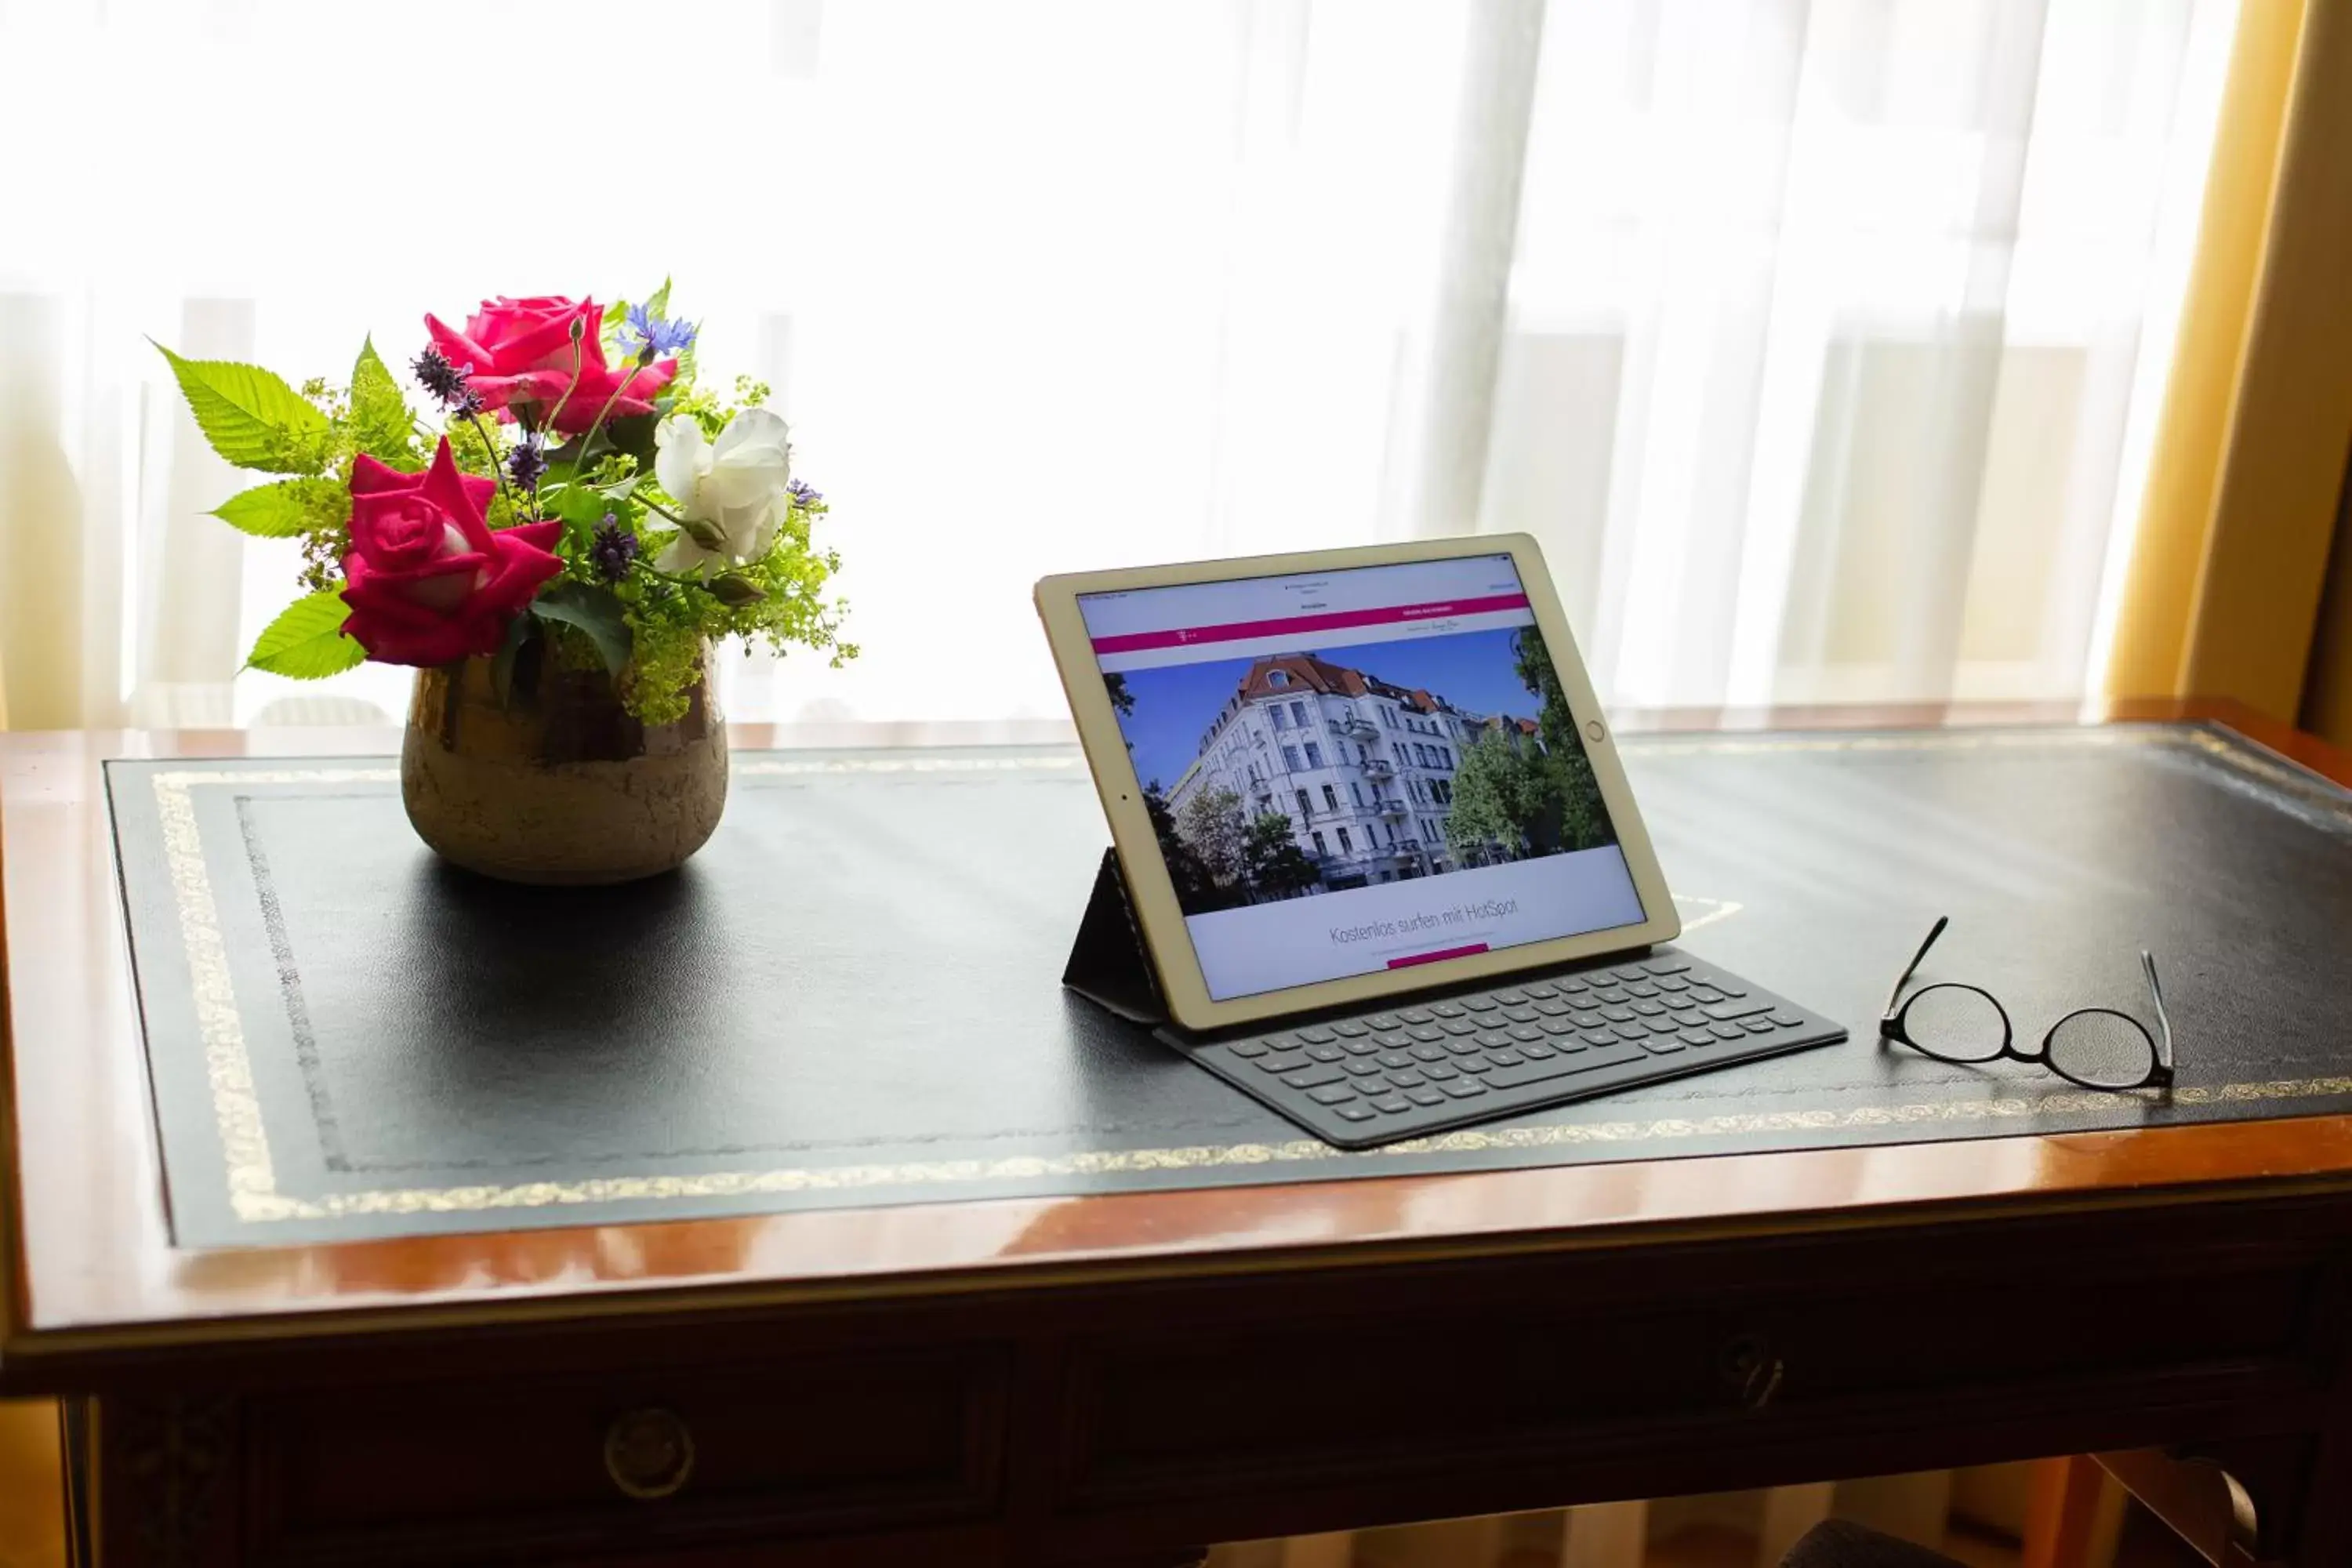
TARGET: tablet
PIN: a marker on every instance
(1338, 776)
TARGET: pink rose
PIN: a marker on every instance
(521, 352)
(426, 580)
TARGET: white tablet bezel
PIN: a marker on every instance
(1152, 893)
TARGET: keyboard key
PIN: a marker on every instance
(1618, 1015)
(1668, 966)
(1786, 1019)
(1428, 1033)
(1631, 972)
(1641, 988)
(1312, 1078)
(1690, 1017)
(1660, 1044)
(1425, 1096)
(1407, 1079)
(1521, 1015)
(1562, 1067)
(1467, 1088)
(1557, 1027)
(1349, 1029)
(1440, 1072)
(1395, 1060)
(1540, 992)
(1368, 1087)
(1476, 1065)
(1480, 1004)
(1360, 1069)
(1729, 986)
(1535, 1052)
(1335, 1094)
(1248, 1048)
(1673, 982)
(1364, 1048)
(1525, 1033)
(1428, 1053)
(1629, 1031)
(1613, 996)
(1412, 1016)
(1284, 1061)
(1724, 1012)
(1392, 1105)
(1324, 1053)
(1695, 1038)
(1648, 1009)
(1573, 987)
(1393, 1039)
(1447, 1009)
(1460, 1026)
(1760, 1025)
(1552, 1009)
(1660, 1025)
(1505, 1058)
(1706, 994)
(1356, 1113)
(1598, 1038)
(1381, 1021)
(1465, 1048)
(1317, 1035)
(1511, 998)
(1726, 1031)
(1494, 1039)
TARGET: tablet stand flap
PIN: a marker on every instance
(1109, 963)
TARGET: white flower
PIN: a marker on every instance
(737, 484)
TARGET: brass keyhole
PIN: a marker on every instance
(648, 1453)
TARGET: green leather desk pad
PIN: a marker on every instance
(850, 996)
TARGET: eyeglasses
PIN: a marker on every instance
(2097, 1048)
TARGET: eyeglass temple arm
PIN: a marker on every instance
(2156, 992)
(1916, 959)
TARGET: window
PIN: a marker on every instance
(1290, 758)
(1281, 720)
(1277, 678)
(1314, 755)
(1298, 713)
(1321, 848)
(1357, 791)
(1330, 797)
(1445, 755)
(1346, 846)
(1420, 753)
(1387, 829)
(1306, 806)
(1387, 718)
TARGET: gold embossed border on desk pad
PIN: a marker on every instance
(257, 1199)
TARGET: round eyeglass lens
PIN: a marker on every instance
(2102, 1049)
(1958, 1023)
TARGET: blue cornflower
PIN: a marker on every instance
(803, 493)
(646, 334)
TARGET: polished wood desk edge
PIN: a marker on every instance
(116, 1283)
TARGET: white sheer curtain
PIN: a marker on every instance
(1818, 340)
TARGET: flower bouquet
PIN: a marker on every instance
(556, 552)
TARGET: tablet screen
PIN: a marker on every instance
(1354, 770)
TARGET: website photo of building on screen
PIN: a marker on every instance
(1289, 775)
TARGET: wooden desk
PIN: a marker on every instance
(1113, 1380)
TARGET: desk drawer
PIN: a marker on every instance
(1595, 1354)
(628, 1462)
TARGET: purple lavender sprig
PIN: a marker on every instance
(613, 550)
(447, 383)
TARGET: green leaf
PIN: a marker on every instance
(616, 313)
(306, 642)
(657, 302)
(250, 416)
(502, 664)
(267, 511)
(594, 611)
(379, 413)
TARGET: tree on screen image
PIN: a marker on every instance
(1273, 865)
(1196, 891)
(1507, 797)
(1582, 819)
(1122, 699)
(1211, 826)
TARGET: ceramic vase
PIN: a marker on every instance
(553, 781)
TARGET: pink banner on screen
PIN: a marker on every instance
(1287, 625)
(1438, 957)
